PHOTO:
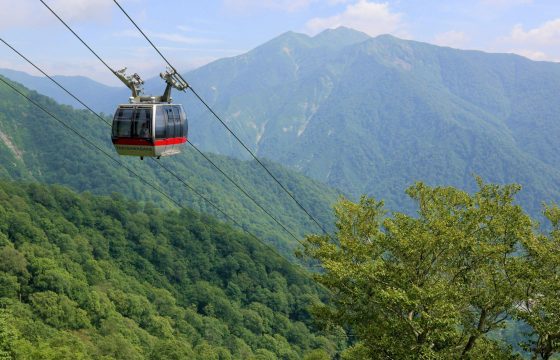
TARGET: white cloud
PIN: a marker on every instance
(367, 16)
(171, 37)
(546, 34)
(184, 28)
(540, 43)
(283, 5)
(277, 5)
(220, 51)
(28, 13)
(19, 66)
(531, 54)
(82, 10)
(178, 38)
(18, 13)
(338, 2)
(455, 39)
(505, 3)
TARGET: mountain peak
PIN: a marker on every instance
(388, 37)
(342, 30)
(330, 38)
(289, 37)
(340, 36)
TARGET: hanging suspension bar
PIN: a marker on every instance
(173, 80)
(134, 82)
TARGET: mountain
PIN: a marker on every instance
(34, 147)
(372, 115)
(90, 277)
(98, 96)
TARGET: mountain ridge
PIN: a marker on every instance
(371, 115)
(386, 106)
(46, 87)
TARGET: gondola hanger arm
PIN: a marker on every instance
(173, 80)
(134, 82)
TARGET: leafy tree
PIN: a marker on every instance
(317, 355)
(8, 336)
(171, 350)
(541, 305)
(438, 282)
(59, 311)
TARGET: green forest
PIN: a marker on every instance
(471, 276)
(95, 264)
(90, 277)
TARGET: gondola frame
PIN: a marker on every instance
(152, 145)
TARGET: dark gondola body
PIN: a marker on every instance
(153, 130)
(150, 125)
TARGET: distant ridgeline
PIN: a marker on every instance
(373, 115)
(35, 147)
(89, 277)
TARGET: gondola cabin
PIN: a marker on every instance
(152, 130)
(150, 125)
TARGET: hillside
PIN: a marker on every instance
(34, 147)
(372, 115)
(89, 277)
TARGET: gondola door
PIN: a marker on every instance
(132, 130)
(172, 130)
(161, 130)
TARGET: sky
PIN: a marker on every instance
(194, 33)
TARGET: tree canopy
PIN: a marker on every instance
(89, 277)
(442, 283)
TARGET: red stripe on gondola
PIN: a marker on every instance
(171, 141)
(144, 142)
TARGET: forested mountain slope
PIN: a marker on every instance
(372, 115)
(89, 277)
(33, 146)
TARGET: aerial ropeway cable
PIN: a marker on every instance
(165, 168)
(180, 77)
(267, 170)
(145, 181)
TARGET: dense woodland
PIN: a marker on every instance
(88, 277)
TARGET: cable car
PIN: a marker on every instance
(148, 125)
(149, 129)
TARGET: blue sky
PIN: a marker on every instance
(193, 33)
